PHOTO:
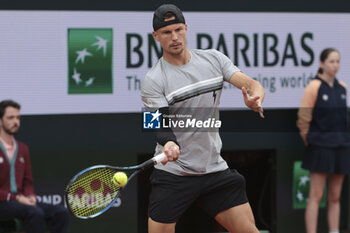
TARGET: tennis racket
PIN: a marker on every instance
(92, 192)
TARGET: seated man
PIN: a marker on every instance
(17, 196)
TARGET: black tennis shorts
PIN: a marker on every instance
(172, 195)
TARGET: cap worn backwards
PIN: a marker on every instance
(158, 17)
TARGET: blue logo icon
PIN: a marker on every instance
(151, 120)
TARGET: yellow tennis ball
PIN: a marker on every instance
(120, 179)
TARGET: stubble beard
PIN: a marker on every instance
(9, 131)
(177, 52)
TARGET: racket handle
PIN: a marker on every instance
(159, 158)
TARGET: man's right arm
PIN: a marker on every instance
(167, 138)
(164, 135)
(6, 196)
(153, 99)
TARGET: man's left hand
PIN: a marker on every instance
(253, 102)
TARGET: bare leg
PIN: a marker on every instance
(157, 227)
(238, 219)
(317, 182)
(334, 192)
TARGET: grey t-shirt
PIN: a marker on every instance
(197, 84)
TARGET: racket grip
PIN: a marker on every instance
(159, 158)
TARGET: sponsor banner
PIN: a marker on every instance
(183, 120)
(90, 72)
(65, 62)
(301, 186)
(57, 199)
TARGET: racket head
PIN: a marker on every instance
(92, 192)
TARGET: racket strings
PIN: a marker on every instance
(92, 192)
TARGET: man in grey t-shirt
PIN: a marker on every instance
(193, 169)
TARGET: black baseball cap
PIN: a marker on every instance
(158, 17)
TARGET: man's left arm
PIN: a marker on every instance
(28, 187)
(253, 92)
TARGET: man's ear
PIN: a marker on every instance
(155, 35)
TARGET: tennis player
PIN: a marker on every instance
(193, 171)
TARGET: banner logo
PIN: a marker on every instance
(90, 60)
(151, 120)
(185, 120)
(301, 186)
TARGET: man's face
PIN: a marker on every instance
(172, 38)
(10, 122)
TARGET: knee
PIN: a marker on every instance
(315, 196)
(333, 198)
(62, 213)
(35, 214)
(316, 199)
(249, 228)
(154, 226)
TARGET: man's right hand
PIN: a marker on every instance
(24, 200)
(172, 152)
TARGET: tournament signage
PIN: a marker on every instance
(59, 62)
(301, 187)
(90, 61)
